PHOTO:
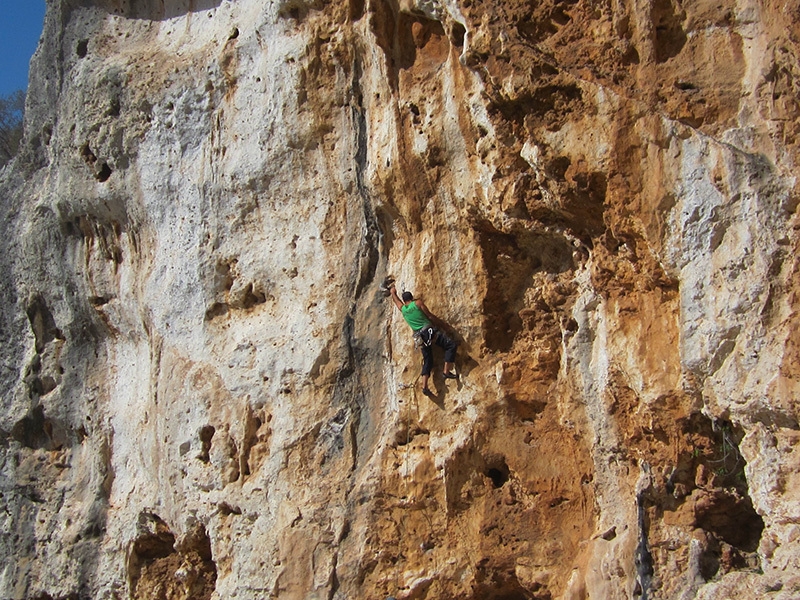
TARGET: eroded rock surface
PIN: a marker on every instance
(205, 394)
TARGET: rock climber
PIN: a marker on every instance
(422, 322)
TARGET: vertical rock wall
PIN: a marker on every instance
(205, 395)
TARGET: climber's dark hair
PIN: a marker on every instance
(408, 296)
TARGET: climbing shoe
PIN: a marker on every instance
(450, 376)
(428, 393)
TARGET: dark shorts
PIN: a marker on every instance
(444, 342)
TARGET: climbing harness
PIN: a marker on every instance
(425, 337)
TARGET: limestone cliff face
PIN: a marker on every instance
(205, 395)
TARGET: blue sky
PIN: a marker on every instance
(20, 28)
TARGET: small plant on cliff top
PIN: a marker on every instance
(12, 108)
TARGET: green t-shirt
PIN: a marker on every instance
(414, 316)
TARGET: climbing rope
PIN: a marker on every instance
(407, 466)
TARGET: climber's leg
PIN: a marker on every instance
(427, 366)
(449, 347)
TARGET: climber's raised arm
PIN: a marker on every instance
(395, 298)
